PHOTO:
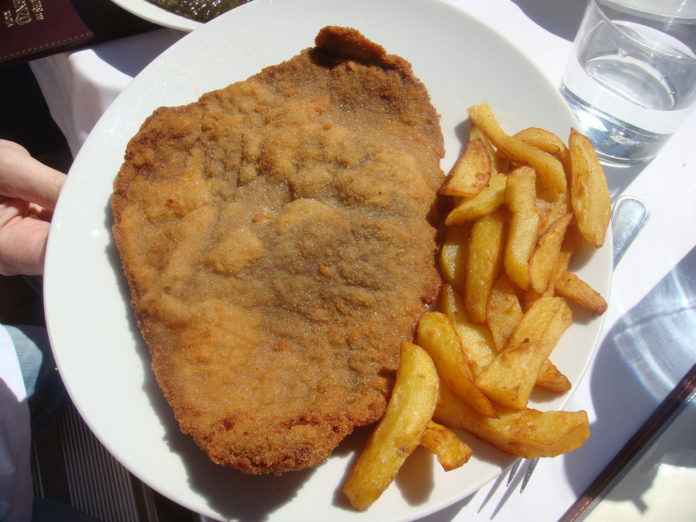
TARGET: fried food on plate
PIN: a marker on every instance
(470, 173)
(552, 212)
(437, 336)
(451, 452)
(589, 193)
(408, 414)
(545, 256)
(509, 324)
(526, 433)
(509, 379)
(546, 141)
(276, 242)
(520, 197)
(454, 256)
(577, 291)
(479, 348)
(503, 312)
(548, 168)
(485, 253)
(485, 202)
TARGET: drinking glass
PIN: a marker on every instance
(631, 78)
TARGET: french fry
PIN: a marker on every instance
(561, 266)
(577, 291)
(503, 312)
(470, 173)
(485, 252)
(551, 174)
(520, 197)
(545, 256)
(509, 379)
(589, 194)
(485, 202)
(410, 408)
(552, 213)
(451, 305)
(476, 340)
(437, 336)
(477, 343)
(558, 270)
(546, 141)
(527, 433)
(476, 134)
(551, 379)
(450, 450)
(453, 256)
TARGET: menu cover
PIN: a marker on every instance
(33, 28)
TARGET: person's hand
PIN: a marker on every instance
(28, 191)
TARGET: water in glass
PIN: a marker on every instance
(631, 79)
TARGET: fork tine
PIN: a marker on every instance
(513, 470)
(531, 464)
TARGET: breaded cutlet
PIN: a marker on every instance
(278, 239)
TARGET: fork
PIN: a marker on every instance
(628, 218)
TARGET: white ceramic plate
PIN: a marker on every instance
(157, 15)
(97, 347)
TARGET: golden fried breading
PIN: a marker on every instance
(276, 242)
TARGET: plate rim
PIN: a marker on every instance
(158, 15)
(417, 511)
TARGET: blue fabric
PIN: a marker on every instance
(31, 343)
(41, 379)
(46, 393)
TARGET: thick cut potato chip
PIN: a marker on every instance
(546, 141)
(485, 252)
(551, 212)
(545, 256)
(451, 451)
(520, 194)
(451, 304)
(476, 134)
(470, 173)
(589, 194)
(437, 336)
(559, 269)
(476, 340)
(504, 312)
(410, 408)
(485, 202)
(453, 256)
(551, 379)
(520, 197)
(551, 174)
(577, 291)
(521, 240)
(509, 379)
(527, 433)
(503, 163)
(477, 343)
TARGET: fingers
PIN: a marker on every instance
(12, 145)
(23, 177)
(23, 247)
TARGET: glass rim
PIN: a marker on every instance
(676, 56)
(652, 13)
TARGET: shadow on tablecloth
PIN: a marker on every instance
(643, 357)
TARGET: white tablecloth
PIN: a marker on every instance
(78, 87)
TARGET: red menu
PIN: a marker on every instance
(33, 28)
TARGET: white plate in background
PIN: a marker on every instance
(158, 15)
